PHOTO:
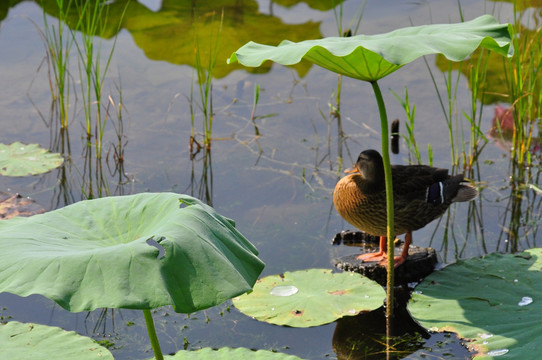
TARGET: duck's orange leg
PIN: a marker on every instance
(379, 256)
(382, 255)
(404, 254)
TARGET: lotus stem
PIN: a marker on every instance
(389, 199)
(152, 335)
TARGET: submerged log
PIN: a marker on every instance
(419, 263)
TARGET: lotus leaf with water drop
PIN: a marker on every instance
(311, 297)
(495, 301)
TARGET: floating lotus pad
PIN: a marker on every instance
(495, 300)
(310, 297)
(35, 341)
(19, 159)
(372, 57)
(97, 253)
(229, 354)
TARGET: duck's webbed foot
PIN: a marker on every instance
(382, 256)
(381, 259)
(398, 260)
(373, 257)
(379, 256)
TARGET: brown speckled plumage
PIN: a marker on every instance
(421, 194)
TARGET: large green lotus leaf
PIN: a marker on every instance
(371, 57)
(229, 354)
(23, 341)
(494, 87)
(19, 159)
(96, 253)
(310, 297)
(495, 300)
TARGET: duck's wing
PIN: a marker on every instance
(413, 178)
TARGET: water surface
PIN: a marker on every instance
(276, 186)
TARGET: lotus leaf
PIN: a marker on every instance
(139, 251)
(19, 159)
(22, 341)
(372, 57)
(229, 354)
(495, 300)
(310, 297)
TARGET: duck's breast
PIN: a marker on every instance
(366, 212)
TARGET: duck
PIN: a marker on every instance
(421, 194)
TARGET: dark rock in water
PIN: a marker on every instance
(419, 263)
(354, 238)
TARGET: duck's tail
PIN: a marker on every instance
(466, 192)
(453, 189)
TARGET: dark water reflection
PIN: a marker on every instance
(276, 183)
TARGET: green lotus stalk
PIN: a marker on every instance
(152, 335)
(389, 196)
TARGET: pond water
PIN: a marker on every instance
(277, 186)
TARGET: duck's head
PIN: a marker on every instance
(369, 165)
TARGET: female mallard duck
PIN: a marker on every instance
(420, 194)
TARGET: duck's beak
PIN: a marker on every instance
(352, 171)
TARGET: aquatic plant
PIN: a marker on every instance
(513, 88)
(410, 139)
(59, 42)
(310, 297)
(231, 354)
(497, 306)
(523, 79)
(137, 252)
(80, 26)
(464, 151)
(205, 86)
(36, 341)
(370, 58)
(18, 159)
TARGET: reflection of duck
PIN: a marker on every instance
(421, 194)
